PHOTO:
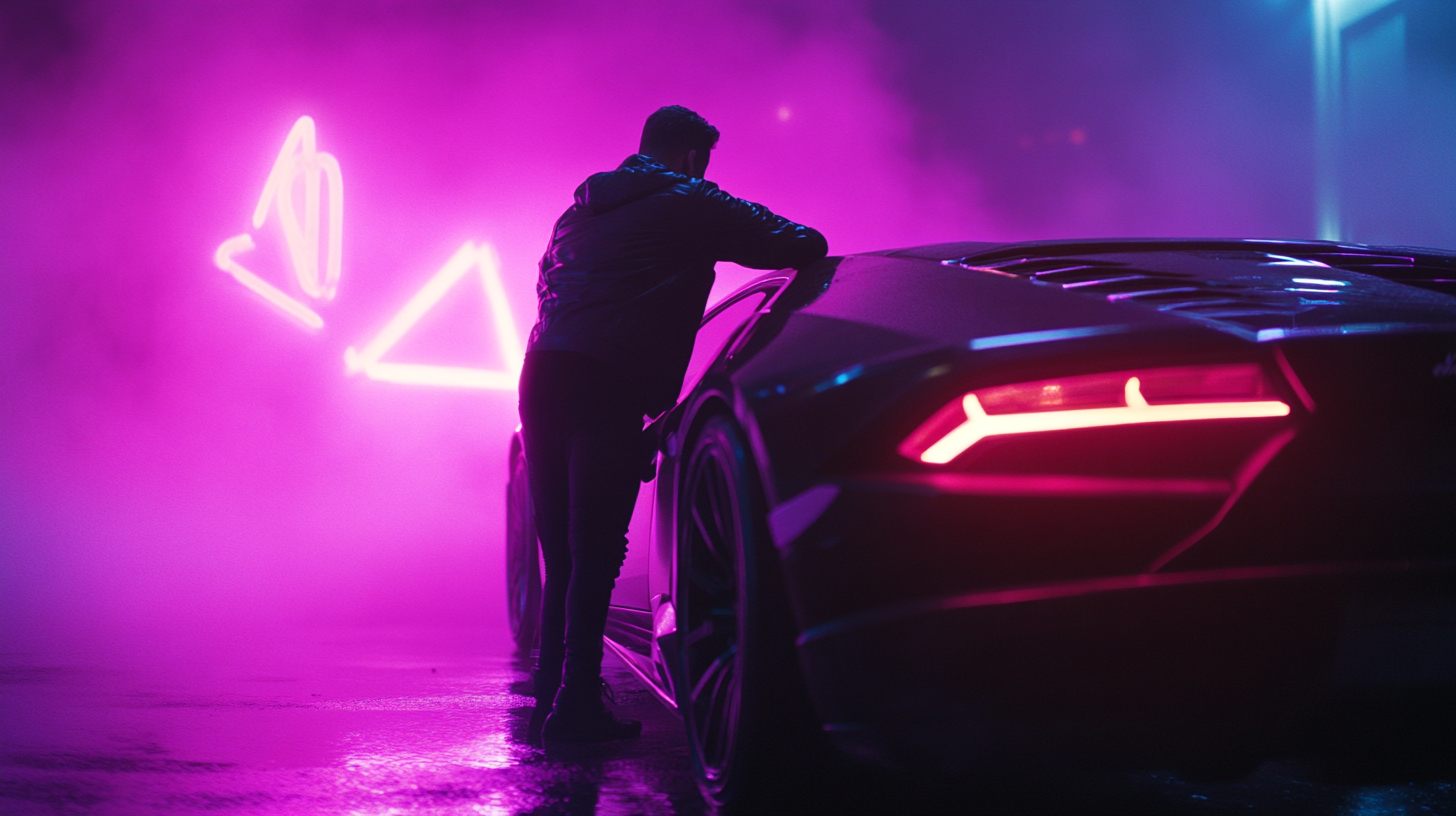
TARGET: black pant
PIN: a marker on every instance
(582, 434)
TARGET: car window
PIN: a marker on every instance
(717, 332)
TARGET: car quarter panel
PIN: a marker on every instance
(884, 317)
(834, 382)
(1196, 557)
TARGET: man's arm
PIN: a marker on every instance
(750, 235)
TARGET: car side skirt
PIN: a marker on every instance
(629, 637)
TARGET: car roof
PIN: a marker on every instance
(986, 250)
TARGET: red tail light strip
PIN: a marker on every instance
(1239, 391)
(979, 425)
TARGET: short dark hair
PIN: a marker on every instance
(675, 129)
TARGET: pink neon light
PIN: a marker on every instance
(243, 243)
(979, 425)
(300, 156)
(481, 257)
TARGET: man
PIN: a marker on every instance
(623, 286)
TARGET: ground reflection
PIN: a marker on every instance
(347, 724)
(375, 724)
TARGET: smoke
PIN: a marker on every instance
(176, 459)
(1094, 118)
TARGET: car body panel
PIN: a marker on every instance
(631, 590)
(1064, 538)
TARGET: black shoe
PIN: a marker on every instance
(587, 727)
(580, 718)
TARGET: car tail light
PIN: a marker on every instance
(1182, 394)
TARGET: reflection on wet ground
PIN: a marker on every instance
(430, 723)
(354, 725)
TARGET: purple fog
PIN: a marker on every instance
(235, 577)
(179, 463)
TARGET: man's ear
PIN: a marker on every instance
(690, 163)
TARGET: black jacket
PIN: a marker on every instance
(627, 274)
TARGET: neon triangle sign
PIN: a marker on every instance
(481, 257)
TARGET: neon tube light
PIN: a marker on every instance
(979, 425)
(243, 243)
(300, 156)
(481, 257)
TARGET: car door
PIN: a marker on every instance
(632, 586)
(721, 329)
(720, 326)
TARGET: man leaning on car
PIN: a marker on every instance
(623, 285)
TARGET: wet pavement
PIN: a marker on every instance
(411, 722)
(366, 724)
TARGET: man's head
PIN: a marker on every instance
(680, 139)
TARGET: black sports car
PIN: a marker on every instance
(950, 503)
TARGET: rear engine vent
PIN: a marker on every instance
(1436, 274)
(1030, 267)
(1164, 291)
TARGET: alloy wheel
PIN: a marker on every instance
(710, 588)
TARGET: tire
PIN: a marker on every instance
(751, 731)
(523, 560)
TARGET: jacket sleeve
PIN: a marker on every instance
(750, 235)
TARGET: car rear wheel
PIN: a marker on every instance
(750, 728)
(523, 561)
